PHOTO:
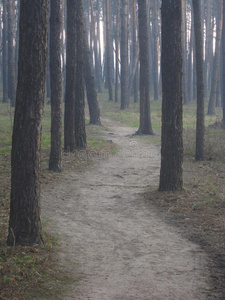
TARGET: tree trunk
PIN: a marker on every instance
(223, 65)
(155, 50)
(117, 50)
(109, 50)
(124, 55)
(4, 53)
(11, 53)
(190, 64)
(171, 173)
(55, 160)
(200, 127)
(24, 220)
(145, 120)
(184, 48)
(135, 47)
(69, 127)
(80, 132)
(97, 64)
(216, 63)
(92, 97)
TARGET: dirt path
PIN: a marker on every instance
(121, 249)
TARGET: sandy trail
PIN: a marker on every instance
(121, 248)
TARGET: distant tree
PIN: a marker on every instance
(11, 53)
(117, 50)
(145, 120)
(216, 62)
(69, 119)
(155, 50)
(200, 127)
(4, 52)
(124, 55)
(133, 86)
(24, 220)
(109, 49)
(79, 123)
(171, 174)
(55, 160)
(92, 97)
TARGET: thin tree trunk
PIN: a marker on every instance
(135, 47)
(117, 50)
(69, 127)
(143, 33)
(11, 53)
(55, 160)
(216, 64)
(200, 127)
(155, 51)
(109, 50)
(4, 52)
(92, 97)
(80, 131)
(124, 55)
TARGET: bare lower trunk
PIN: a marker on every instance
(24, 220)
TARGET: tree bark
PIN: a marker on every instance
(145, 120)
(24, 220)
(117, 51)
(200, 126)
(134, 80)
(109, 50)
(80, 131)
(155, 50)
(216, 63)
(124, 55)
(91, 90)
(69, 126)
(11, 53)
(55, 160)
(4, 53)
(171, 173)
(223, 65)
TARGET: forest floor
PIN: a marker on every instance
(121, 238)
(108, 232)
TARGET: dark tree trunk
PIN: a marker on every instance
(92, 97)
(124, 55)
(109, 50)
(24, 220)
(80, 132)
(223, 65)
(171, 173)
(11, 53)
(145, 120)
(216, 63)
(4, 53)
(69, 126)
(200, 127)
(55, 160)
(184, 48)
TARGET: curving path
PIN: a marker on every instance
(120, 248)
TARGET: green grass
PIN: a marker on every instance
(130, 116)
